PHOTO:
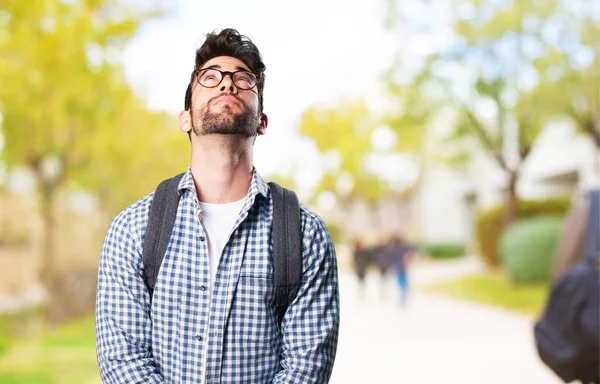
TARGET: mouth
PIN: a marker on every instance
(226, 100)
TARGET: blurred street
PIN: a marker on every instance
(435, 339)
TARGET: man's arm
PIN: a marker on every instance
(123, 325)
(310, 326)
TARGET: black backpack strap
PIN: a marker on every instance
(592, 234)
(287, 247)
(158, 230)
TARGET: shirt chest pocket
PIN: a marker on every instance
(255, 287)
(253, 316)
(255, 292)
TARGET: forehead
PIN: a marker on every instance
(227, 63)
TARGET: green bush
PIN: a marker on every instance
(489, 223)
(527, 248)
(443, 250)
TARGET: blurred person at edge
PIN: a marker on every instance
(227, 330)
(569, 249)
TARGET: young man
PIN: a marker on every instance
(211, 317)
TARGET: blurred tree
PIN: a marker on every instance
(130, 159)
(342, 134)
(551, 46)
(68, 113)
(414, 106)
(569, 71)
(509, 67)
(520, 125)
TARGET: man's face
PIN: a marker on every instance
(225, 109)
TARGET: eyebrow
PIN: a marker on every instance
(217, 66)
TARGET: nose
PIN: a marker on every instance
(227, 84)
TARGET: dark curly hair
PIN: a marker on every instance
(229, 42)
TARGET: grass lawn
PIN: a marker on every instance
(65, 356)
(494, 288)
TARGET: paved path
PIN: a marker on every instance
(435, 340)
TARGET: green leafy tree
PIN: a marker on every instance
(525, 62)
(129, 162)
(490, 134)
(414, 107)
(63, 96)
(554, 42)
(342, 135)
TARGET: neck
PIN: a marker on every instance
(221, 167)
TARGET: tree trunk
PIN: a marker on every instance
(593, 130)
(47, 265)
(48, 271)
(512, 203)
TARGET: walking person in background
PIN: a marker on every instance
(377, 256)
(361, 262)
(403, 254)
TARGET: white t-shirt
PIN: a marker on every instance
(218, 221)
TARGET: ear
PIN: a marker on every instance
(185, 121)
(262, 127)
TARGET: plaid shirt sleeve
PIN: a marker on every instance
(311, 324)
(123, 326)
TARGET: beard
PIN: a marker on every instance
(206, 122)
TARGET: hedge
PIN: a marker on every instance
(489, 223)
(443, 250)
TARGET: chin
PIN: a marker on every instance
(226, 129)
(228, 123)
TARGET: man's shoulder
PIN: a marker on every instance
(312, 223)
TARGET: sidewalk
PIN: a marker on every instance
(435, 340)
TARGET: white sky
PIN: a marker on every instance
(315, 51)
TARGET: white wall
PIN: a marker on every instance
(442, 211)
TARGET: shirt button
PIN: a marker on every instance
(202, 288)
(202, 238)
(198, 337)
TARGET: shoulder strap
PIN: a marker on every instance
(592, 234)
(159, 228)
(287, 247)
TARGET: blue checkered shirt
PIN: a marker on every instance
(164, 342)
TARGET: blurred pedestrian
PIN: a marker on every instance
(403, 254)
(366, 257)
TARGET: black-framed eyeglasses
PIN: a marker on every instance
(212, 77)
